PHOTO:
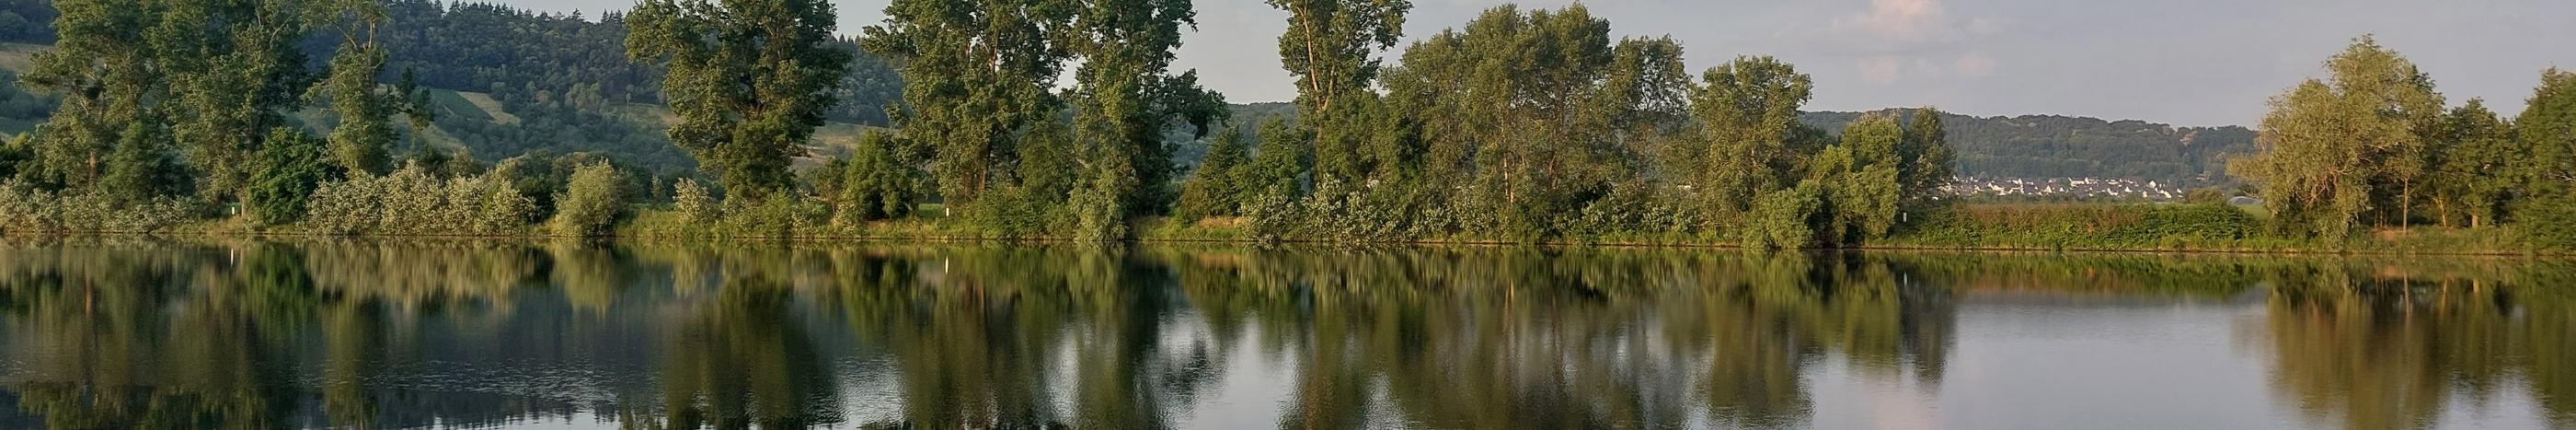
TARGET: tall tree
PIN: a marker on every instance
(1124, 99)
(2547, 130)
(235, 66)
(1925, 164)
(749, 79)
(2332, 150)
(977, 74)
(1331, 48)
(361, 141)
(1747, 111)
(111, 118)
(2473, 144)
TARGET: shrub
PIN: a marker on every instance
(411, 202)
(692, 202)
(591, 201)
(26, 209)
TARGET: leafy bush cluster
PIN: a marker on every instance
(411, 201)
(26, 209)
(591, 202)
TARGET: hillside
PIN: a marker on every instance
(503, 82)
(2057, 146)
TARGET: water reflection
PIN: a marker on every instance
(133, 334)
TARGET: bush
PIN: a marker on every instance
(591, 201)
(26, 209)
(411, 202)
(692, 202)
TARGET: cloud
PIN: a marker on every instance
(1882, 70)
(1890, 26)
(1973, 64)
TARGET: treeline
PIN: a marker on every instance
(1522, 125)
(2374, 145)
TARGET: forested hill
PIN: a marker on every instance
(505, 81)
(2055, 146)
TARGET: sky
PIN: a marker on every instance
(2184, 62)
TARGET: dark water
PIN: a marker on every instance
(133, 334)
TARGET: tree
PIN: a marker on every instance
(1925, 164)
(749, 80)
(1124, 99)
(233, 66)
(292, 165)
(359, 144)
(1214, 189)
(2331, 148)
(2547, 131)
(2472, 145)
(1330, 46)
(1747, 111)
(1860, 180)
(874, 185)
(978, 74)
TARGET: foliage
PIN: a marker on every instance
(410, 201)
(592, 201)
(869, 184)
(1215, 188)
(749, 80)
(978, 76)
(692, 202)
(2335, 150)
(28, 209)
(292, 165)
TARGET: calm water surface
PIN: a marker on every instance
(141, 334)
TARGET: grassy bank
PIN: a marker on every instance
(2018, 227)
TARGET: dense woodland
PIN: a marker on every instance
(1066, 119)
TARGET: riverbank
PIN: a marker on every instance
(1994, 228)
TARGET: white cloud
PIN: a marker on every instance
(1881, 70)
(1973, 64)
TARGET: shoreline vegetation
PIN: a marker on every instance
(1939, 236)
(1060, 122)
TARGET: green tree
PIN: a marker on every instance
(292, 165)
(359, 144)
(1925, 164)
(874, 185)
(977, 75)
(1860, 180)
(2546, 130)
(1124, 99)
(234, 67)
(2472, 145)
(1331, 48)
(1747, 111)
(749, 80)
(112, 117)
(2331, 149)
(1215, 188)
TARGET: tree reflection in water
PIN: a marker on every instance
(134, 334)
